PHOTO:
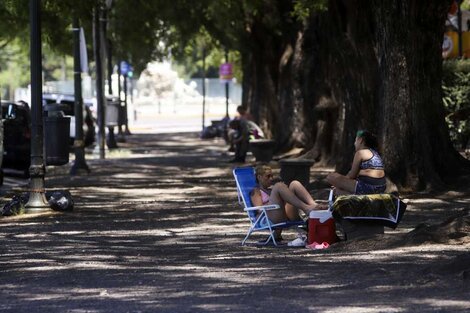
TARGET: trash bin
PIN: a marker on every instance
(262, 149)
(112, 111)
(56, 136)
(296, 169)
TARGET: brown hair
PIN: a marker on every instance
(261, 170)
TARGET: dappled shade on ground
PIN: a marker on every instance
(157, 227)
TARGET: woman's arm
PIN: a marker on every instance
(256, 199)
(355, 167)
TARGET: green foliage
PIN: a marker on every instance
(15, 69)
(465, 5)
(304, 8)
(14, 65)
(456, 98)
(56, 66)
(190, 59)
(145, 30)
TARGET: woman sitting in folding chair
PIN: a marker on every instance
(290, 198)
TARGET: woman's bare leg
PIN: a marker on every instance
(343, 184)
(299, 190)
(341, 192)
(277, 216)
(292, 212)
(282, 194)
(305, 196)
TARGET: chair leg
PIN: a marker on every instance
(274, 239)
(247, 235)
(271, 236)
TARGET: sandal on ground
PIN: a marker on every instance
(318, 246)
(297, 242)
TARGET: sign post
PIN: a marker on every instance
(226, 75)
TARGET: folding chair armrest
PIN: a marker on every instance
(331, 199)
(263, 207)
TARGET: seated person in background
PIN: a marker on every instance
(367, 174)
(255, 131)
(240, 139)
(290, 199)
(243, 113)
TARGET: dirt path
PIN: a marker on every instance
(157, 228)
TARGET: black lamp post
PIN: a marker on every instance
(110, 140)
(79, 165)
(203, 86)
(37, 199)
(99, 81)
(459, 26)
(226, 87)
(109, 50)
(126, 117)
(120, 136)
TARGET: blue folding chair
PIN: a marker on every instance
(246, 181)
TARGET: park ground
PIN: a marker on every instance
(157, 228)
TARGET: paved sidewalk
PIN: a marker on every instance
(157, 228)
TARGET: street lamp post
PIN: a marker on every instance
(203, 87)
(79, 165)
(226, 87)
(110, 140)
(120, 136)
(37, 199)
(459, 26)
(99, 81)
(126, 115)
(109, 50)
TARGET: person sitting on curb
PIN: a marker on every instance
(243, 113)
(290, 198)
(367, 175)
(255, 131)
(240, 139)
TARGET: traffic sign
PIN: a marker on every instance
(225, 72)
(124, 67)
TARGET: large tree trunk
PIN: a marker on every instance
(417, 149)
(266, 67)
(305, 90)
(380, 66)
(345, 79)
(374, 65)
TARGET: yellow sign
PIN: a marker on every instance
(450, 45)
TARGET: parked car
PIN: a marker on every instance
(66, 104)
(16, 135)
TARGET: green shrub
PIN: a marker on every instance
(456, 98)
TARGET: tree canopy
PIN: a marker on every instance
(312, 72)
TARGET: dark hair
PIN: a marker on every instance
(370, 139)
(241, 109)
